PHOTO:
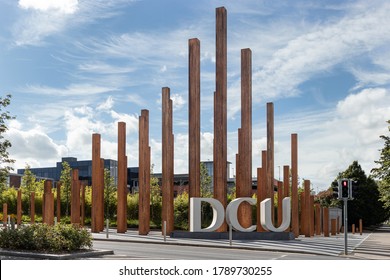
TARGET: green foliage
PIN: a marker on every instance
(155, 200)
(132, 206)
(5, 144)
(382, 173)
(66, 181)
(181, 211)
(110, 195)
(366, 204)
(44, 238)
(205, 182)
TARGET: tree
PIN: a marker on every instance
(155, 198)
(109, 193)
(66, 181)
(205, 181)
(382, 173)
(5, 144)
(366, 204)
(29, 184)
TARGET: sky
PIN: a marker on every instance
(77, 67)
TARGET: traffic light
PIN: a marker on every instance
(344, 187)
(335, 190)
(353, 189)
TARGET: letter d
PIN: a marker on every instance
(195, 214)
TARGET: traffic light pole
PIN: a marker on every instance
(345, 225)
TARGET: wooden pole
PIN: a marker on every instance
(270, 152)
(75, 198)
(245, 139)
(220, 112)
(325, 222)
(83, 184)
(58, 186)
(144, 174)
(286, 185)
(5, 214)
(360, 226)
(333, 224)
(97, 187)
(194, 118)
(311, 215)
(294, 185)
(280, 199)
(318, 218)
(122, 182)
(167, 162)
(48, 215)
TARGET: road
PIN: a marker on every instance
(127, 250)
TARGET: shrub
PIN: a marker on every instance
(44, 238)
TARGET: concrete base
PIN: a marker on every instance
(236, 235)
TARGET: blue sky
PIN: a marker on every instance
(77, 67)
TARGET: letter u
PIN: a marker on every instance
(266, 215)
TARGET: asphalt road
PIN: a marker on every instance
(142, 251)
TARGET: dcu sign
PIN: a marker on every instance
(231, 214)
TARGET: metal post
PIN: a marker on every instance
(346, 226)
(230, 235)
(165, 231)
(107, 225)
(55, 221)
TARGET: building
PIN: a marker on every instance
(84, 167)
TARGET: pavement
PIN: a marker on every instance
(374, 245)
(369, 245)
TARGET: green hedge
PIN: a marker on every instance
(44, 238)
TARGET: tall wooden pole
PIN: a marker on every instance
(294, 185)
(75, 198)
(97, 211)
(194, 118)
(261, 186)
(19, 208)
(58, 211)
(122, 182)
(270, 152)
(48, 215)
(307, 208)
(220, 112)
(167, 161)
(245, 141)
(144, 174)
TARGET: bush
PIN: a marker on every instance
(44, 238)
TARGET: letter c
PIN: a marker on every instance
(231, 213)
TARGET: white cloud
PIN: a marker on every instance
(71, 90)
(107, 105)
(63, 6)
(177, 101)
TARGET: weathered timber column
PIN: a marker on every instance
(270, 152)
(167, 161)
(318, 218)
(311, 215)
(280, 199)
(19, 208)
(333, 224)
(32, 208)
(194, 118)
(58, 187)
(220, 112)
(5, 214)
(97, 211)
(325, 221)
(261, 186)
(144, 174)
(122, 182)
(286, 185)
(245, 139)
(307, 209)
(338, 225)
(294, 185)
(82, 203)
(302, 229)
(48, 215)
(75, 198)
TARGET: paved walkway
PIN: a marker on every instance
(369, 245)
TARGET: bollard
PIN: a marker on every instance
(165, 231)
(353, 228)
(361, 226)
(107, 225)
(230, 235)
(333, 225)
